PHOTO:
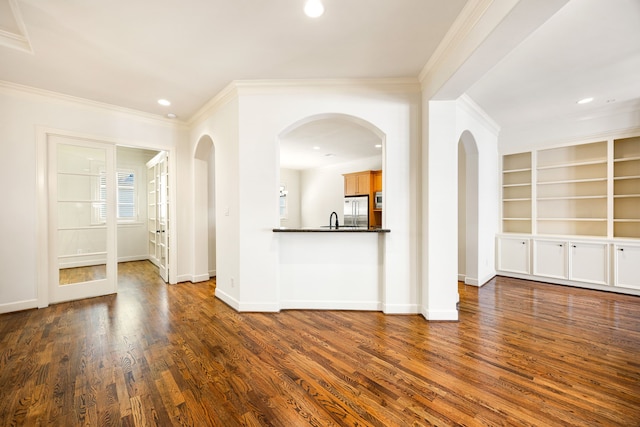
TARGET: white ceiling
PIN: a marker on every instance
(131, 53)
(590, 48)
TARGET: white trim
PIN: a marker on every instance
(259, 307)
(227, 299)
(249, 87)
(461, 277)
(400, 308)
(60, 97)
(330, 305)
(181, 278)
(212, 273)
(458, 33)
(440, 315)
(469, 106)
(19, 40)
(584, 285)
(19, 306)
(199, 278)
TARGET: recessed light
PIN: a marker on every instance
(585, 100)
(378, 145)
(313, 8)
(164, 102)
(316, 148)
(171, 115)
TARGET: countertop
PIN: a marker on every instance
(331, 230)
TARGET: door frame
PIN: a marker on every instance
(44, 245)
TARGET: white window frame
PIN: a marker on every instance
(100, 214)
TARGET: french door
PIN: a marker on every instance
(82, 218)
(158, 213)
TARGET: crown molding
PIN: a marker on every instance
(466, 103)
(386, 85)
(253, 87)
(459, 30)
(222, 98)
(16, 40)
(6, 86)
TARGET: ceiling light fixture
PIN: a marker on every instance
(313, 8)
(316, 148)
(378, 145)
(585, 100)
(164, 102)
(171, 115)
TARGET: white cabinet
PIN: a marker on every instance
(550, 259)
(589, 262)
(513, 255)
(627, 266)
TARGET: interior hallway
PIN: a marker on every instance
(523, 353)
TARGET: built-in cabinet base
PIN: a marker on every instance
(609, 265)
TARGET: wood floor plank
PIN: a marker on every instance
(523, 353)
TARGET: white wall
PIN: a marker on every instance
(22, 112)
(322, 190)
(211, 211)
(264, 112)
(221, 124)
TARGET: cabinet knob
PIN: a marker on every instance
(561, 245)
(524, 243)
(574, 246)
(621, 249)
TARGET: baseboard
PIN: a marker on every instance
(470, 281)
(400, 308)
(440, 315)
(331, 305)
(183, 278)
(461, 277)
(259, 307)
(227, 299)
(212, 273)
(200, 278)
(18, 306)
(133, 258)
(486, 278)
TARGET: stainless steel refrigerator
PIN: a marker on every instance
(356, 211)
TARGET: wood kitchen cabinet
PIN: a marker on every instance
(357, 184)
(365, 183)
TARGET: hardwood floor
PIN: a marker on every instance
(523, 353)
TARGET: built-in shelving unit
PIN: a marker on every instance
(571, 215)
(572, 190)
(516, 193)
(626, 187)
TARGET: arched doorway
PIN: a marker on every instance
(204, 210)
(468, 179)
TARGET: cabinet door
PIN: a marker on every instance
(513, 255)
(627, 266)
(589, 262)
(377, 181)
(364, 183)
(350, 185)
(550, 259)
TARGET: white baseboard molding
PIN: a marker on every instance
(440, 315)
(184, 278)
(401, 309)
(461, 277)
(133, 258)
(330, 305)
(575, 284)
(227, 299)
(212, 273)
(18, 306)
(200, 278)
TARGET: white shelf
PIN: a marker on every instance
(604, 196)
(571, 181)
(626, 159)
(516, 170)
(621, 178)
(574, 164)
(573, 219)
(517, 219)
(528, 184)
(526, 199)
(625, 220)
(624, 196)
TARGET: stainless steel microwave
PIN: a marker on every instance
(378, 200)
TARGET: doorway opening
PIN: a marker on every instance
(468, 251)
(204, 224)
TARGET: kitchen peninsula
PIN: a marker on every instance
(331, 269)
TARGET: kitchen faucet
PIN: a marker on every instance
(330, 220)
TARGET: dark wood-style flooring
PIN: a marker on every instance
(523, 354)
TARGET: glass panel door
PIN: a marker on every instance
(82, 218)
